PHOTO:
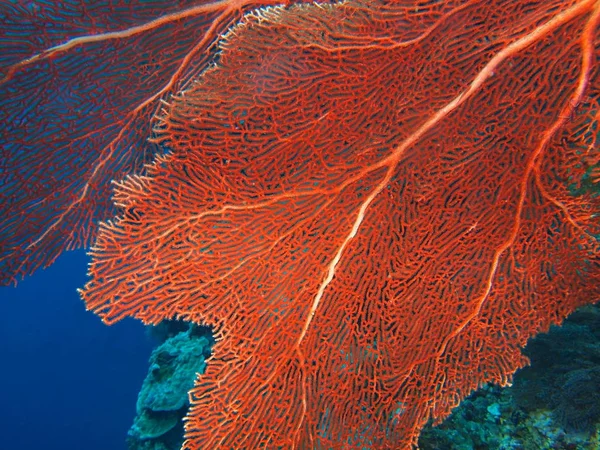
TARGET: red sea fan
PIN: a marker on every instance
(79, 84)
(375, 204)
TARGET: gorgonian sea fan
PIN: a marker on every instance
(375, 205)
(80, 82)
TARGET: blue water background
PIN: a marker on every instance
(67, 381)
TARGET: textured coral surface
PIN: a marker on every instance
(80, 81)
(374, 203)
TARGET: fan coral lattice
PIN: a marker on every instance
(376, 204)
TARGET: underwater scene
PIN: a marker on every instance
(140, 378)
(337, 224)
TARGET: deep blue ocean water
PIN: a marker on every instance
(67, 381)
